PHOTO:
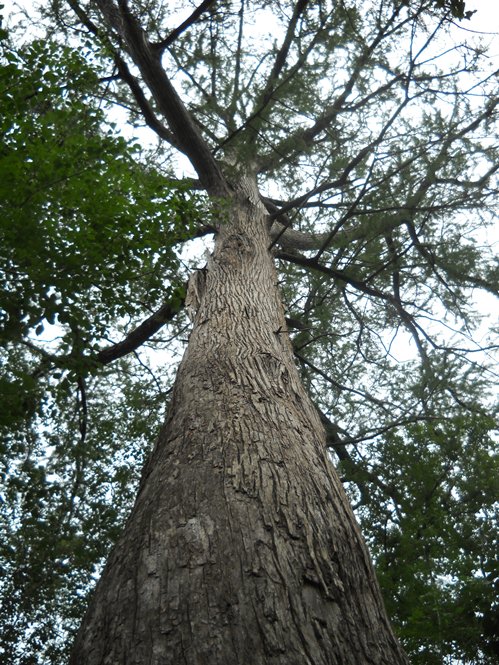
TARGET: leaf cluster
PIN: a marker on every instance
(82, 219)
(433, 538)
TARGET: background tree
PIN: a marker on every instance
(83, 229)
(373, 154)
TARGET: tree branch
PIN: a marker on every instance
(125, 74)
(305, 137)
(282, 54)
(148, 60)
(336, 274)
(129, 344)
(142, 333)
(354, 471)
(263, 105)
(185, 25)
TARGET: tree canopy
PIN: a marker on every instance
(372, 128)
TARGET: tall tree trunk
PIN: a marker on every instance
(241, 547)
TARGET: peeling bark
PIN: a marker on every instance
(241, 547)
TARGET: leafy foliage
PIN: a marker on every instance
(86, 229)
(432, 536)
(457, 7)
(69, 475)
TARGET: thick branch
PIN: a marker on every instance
(148, 60)
(124, 73)
(145, 108)
(129, 344)
(290, 239)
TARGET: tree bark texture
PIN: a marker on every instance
(241, 547)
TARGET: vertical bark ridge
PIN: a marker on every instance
(241, 548)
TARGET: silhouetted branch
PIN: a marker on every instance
(142, 333)
(185, 25)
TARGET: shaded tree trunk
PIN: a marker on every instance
(241, 547)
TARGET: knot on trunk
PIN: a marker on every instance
(236, 248)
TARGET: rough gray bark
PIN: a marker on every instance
(241, 548)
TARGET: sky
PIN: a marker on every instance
(486, 18)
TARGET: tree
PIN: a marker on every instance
(346, 154)
(82, 243)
